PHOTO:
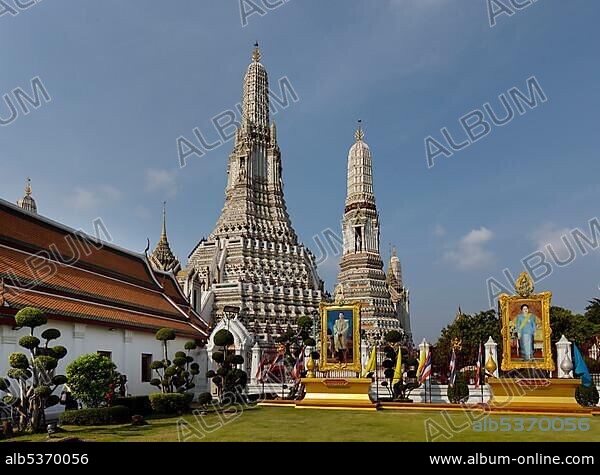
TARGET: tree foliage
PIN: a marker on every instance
(229, 380)
(176, 375)
(592, 311)
(470, 331)
(576, 328)
(91, 378)
(31, 381)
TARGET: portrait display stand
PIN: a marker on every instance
(527, 357)
(339, 353)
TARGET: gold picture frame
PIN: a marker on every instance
(526, 328)
(335, 345)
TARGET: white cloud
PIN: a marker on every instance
(93, 197)
(160, 180)
(439, 230)
(470, 253)
(550, 236)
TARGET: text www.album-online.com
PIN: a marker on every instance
(537, 459)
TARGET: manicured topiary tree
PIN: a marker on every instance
(91, 378)
(401, 389)
(587, 396)
(458, 393)
(230, 380)
(176, 375)
(294, 343)
(204, 400)
(31, 382)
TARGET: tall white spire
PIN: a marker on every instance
(362, 277)
(255, 101)
(360, 171)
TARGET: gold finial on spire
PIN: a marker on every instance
(28, 187)
(256, 53)
(359, 135)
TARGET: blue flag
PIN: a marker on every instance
(581, 369)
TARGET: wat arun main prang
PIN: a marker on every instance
(253, 261)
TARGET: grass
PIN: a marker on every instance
(290, 424)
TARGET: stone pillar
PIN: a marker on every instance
(256, 355)
(564, 363)
(491, 348)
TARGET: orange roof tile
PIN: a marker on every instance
(84, 311)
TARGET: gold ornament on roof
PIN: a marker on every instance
(456, 344)
(524, 285)
(359, 134)
(256, 53)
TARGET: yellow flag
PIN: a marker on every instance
(398, 370)
(421, 363)
(371, 363)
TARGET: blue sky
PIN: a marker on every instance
(127, 78)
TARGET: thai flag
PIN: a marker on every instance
(426, 367)
(452, 368)
(260, 372)
(478, 367)
(276, 371)
(299, 366)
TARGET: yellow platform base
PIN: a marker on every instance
(330, 393)
(537, 395)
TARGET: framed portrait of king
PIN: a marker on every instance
(340, 337)
(526, 328)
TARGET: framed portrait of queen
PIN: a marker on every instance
(526, 328)
(340, 337)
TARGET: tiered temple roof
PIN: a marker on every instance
(73, 276)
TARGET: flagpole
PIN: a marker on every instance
(481, 374)
(376, 375)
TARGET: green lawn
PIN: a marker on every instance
(289, 424)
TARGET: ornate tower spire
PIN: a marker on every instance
(27, 202)
(360, 173)
(395, 269)
(162, 258)
(362, 277)
(253, 250)
(254, 201)
(255, 102)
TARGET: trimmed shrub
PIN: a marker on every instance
(29, 342)
(165, 334)
(190, 345)
(51, 334)
(18, 360)
(310, 342)
(459, 392)
(587, 396)
(90, 378)
(30, 317)
(170, 403)
(205, 399)
(223, 338)
(95, 416)
(137, 405)
(393, 336)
